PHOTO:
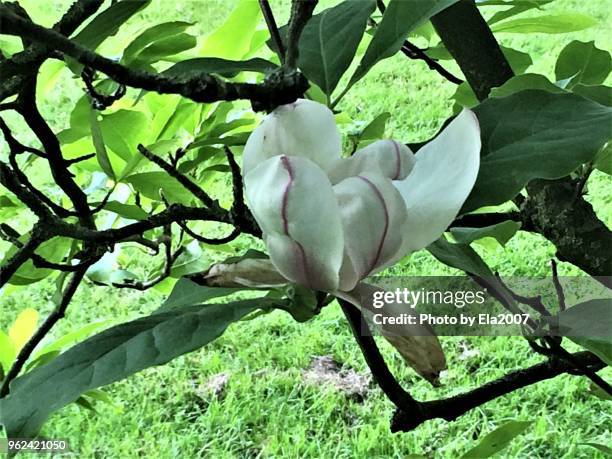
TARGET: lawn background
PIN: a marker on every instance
(267, 409)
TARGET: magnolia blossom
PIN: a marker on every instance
(328, 221)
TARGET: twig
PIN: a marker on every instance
(414, 52)
(451, 408)
(199, 87)
(212, 241)
(38, 336)
(169, 262)
(301, 12)
(181, 178)
(376, 362)
(558, 286)
(273, 28)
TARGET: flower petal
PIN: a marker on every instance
(417, 344)
(443, 176)
(389, 158)
(373, 217)
(294, 204)
(303, 128)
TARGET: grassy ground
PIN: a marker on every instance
(267, 408)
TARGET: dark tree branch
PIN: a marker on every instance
(558, 287)
(485, 219)
(187, 183)
(552, 207)
(170, 259)
(23, 254)
(200, 87)
(412, 51)
(376, 362)
(273, 28)
(469, 40)
(20, 67)
(451, 408)
(47, 325)
(301, 12)
(212, 241)
(59, 169)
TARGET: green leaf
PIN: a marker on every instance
(502, 232)
(330, 39)
(151, 183)
(589, 325)
(107, 23)
(534, 134)
(524, 82)
(583, 63)
(123, 131)
(517, 7)
(460, 256)
(113, 355)
(151, 35)
(401, 17)
(164, 48)
(233, 39)
(497, 440)
(223, 67)
(187, 293)
(7, 352)
(600, 94)
(560, 23)
(53, 250)
(98, 141)
(376, 128)
(128, 211)
(603, 448)
(72, 337)
(603, 161)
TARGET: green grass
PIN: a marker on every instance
(267, 409)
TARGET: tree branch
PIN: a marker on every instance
(301, 12)
(273, 28)
(552, 207)
(199, 87)
(376, 362)
(451, 408)
(47, 325)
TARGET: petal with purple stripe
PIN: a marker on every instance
(373, 217)
(294, 204)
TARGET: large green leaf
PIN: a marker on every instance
(152, 35)
(107, 23)
(502, 232)
(583, 63)
(523, 82)
(400, 18)
(113, 355)
(187, 292)
(164, 48)
(330, 39)
(598, 93)
(589, 325)
(560, 23)
(154, 184)
(516, 7)
(534, 134)
(123, 131)
(460, 256)
(233, 39)
(224, 67)
(497, 440)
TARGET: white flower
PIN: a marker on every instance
(328, 221)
